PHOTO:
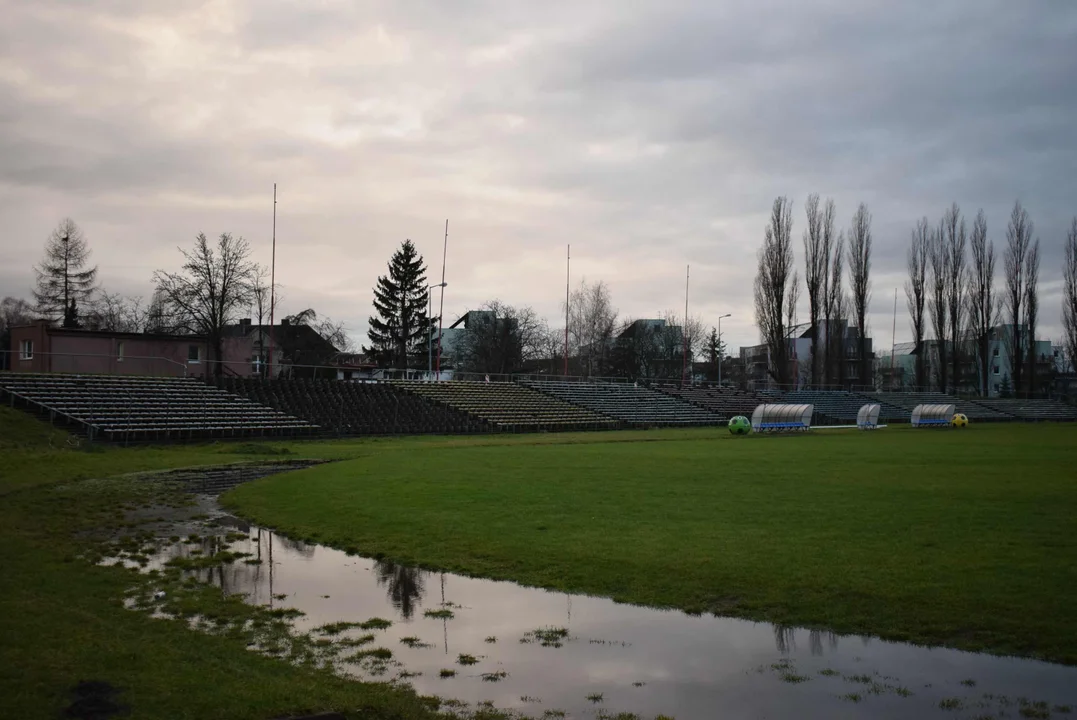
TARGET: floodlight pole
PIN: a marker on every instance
(720, 347)
(684, 330)
(893, 342)
(568, 271)
(272, 282)
(430, 330)
(441, 304)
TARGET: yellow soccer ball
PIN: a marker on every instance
(959, 420)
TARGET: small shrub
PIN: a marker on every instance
(465, 659)
(447, 673)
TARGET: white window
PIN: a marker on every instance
(995, 353)
(27, 350)
(194, 353)
(996, 387)
(994, 368)
(119, 351)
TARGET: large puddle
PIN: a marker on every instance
(595, 658)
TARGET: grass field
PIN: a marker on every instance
(961, 538)
(62, 621)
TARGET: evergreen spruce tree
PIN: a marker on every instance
(63, 280)
(400, 331)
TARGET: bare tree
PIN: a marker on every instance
(860, 283)
(828, 226)
(551, 348)
(500, 339)
(916, 293)
(114, 312)
(210, 289)
(1032, 307)
(773, 288)
(677, 341)
(983, 306)
(816, 267)
(1069, 295)
(1018, 242)
(837, 308)
(939, 261)
(261, 298)
(64, 282)
(591, 322)
(955, 239)
(335, 333)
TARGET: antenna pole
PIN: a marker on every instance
(441, 303)
(684, 330)
(568, 272)
(893, 341)
(272, 281)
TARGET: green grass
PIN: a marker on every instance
(62, 620)
(960, 538)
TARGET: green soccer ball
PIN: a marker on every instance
(739, 425)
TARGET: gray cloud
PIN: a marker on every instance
(649, 135)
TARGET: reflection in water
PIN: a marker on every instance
(815, 642)
(641, 660)
(785, 638)
(405, 585)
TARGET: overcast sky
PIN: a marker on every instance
(648, 134)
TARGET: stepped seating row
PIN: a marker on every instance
(348, 408)
(1032, 409)
(842, 406)
(723, 402)
(907, 402)
(141, 408)
(509, 406)
(637, 406)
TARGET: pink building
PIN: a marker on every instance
(41, 348)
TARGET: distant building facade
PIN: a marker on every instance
(845, 371)
(42, 348)
(1049, 362)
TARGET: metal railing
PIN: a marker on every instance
(144, 365)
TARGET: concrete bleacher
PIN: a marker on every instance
(906, 402)
(841, 406)
(348, 408)
(136, 408)
(509, 406)
(723, 402)
(635, 406)
(1032, 409)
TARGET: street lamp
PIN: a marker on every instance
(430, 331)
(720, 346)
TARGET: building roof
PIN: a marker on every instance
(76, 332)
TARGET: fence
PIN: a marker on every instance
(100, 364)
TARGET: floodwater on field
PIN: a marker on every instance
(618, 658)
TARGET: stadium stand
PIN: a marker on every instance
(636, 406)
(723, 402)
(907, 402)
(831, 406)
(509, 406)
(348, 408)
(136, 408)
(1032, 409)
